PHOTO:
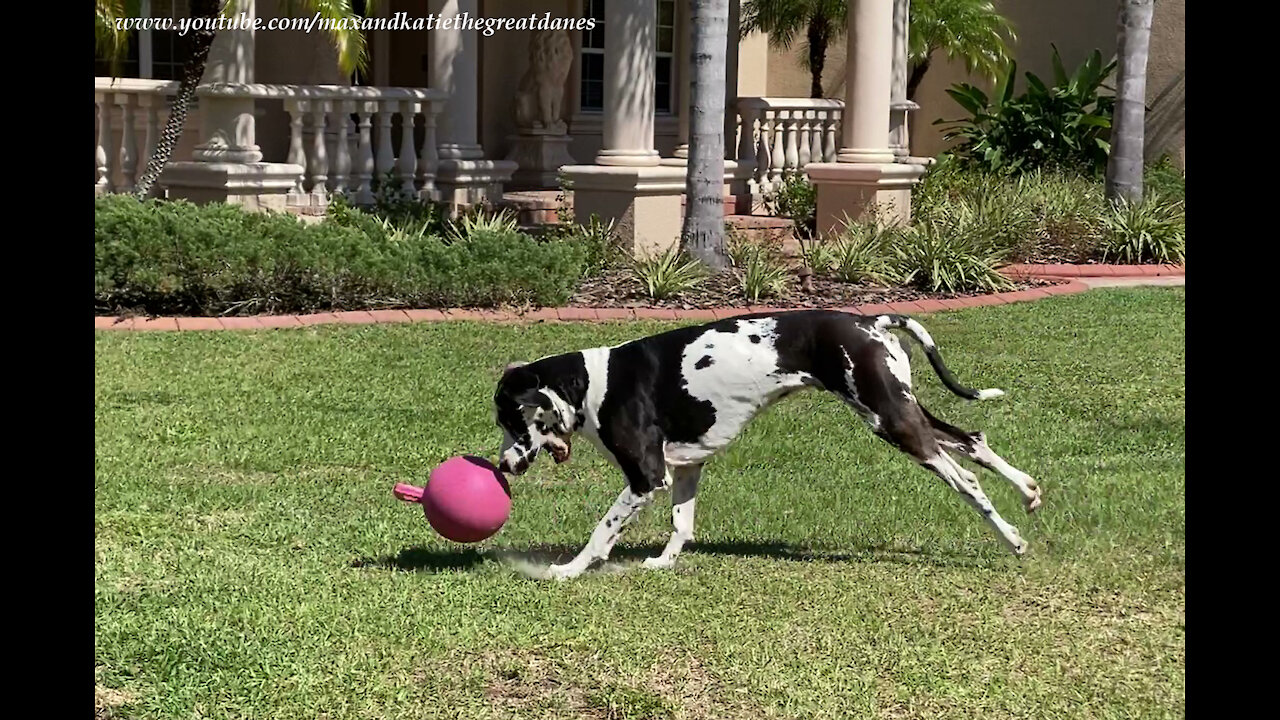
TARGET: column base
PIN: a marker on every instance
(539, 157)
(458, 151)
(472, 182)
(862, 191)
(255, 186)
(644, 203)
(628, 158)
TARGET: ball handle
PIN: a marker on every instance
(408, 493)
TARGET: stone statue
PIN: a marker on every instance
(541, 93)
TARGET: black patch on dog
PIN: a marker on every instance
(704, 363)
(754, 338)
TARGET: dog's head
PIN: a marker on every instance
(533, 417)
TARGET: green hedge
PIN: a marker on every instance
(178, 258)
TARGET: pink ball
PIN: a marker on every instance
(466, 499)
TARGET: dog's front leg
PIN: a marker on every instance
(684, 491)
(605, 535)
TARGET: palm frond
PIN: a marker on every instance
(344, 32)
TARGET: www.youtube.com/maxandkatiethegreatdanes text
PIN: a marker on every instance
(398, 21)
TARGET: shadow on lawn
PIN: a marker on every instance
(434, 560)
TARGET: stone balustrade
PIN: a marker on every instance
(130, 114)
(781, 135)
(344, 137)
(332, 135)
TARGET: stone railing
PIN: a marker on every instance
(781, 135)
(130, 114)
(332, 135)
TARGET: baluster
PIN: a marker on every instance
(430, 158)
(815, 136)
(319, 153)
(830, 150)
(386, 162)
(342, 163)
(102, 168)
(364, 157)
(297, 156)
(408, 159)
(763, 154)
(747, 141)
(128, 143)
(802, 150)
(793, 157)
(778, 156)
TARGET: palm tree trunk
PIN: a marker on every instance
(1124, 167)
(703, 231)
(818, 40)
(916, 77)
(198, 44)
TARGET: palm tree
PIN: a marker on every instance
(967, 30)
(113, 43)
(783, 20)
(1124, 167)
(703, 231)
(970, 31)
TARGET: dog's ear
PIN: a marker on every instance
(513, 365)
(533, 398)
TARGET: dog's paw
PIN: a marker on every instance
(1032, 501)
(1020, 548)
(659, 563)
(563, 572)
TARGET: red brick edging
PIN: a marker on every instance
(571, 314)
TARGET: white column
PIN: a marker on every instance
(684, 78)
(900, 106)
(731, 82)
(455, 55)
(630, 28)
(868, 85)
(228, 124)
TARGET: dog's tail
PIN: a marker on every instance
(931, 350)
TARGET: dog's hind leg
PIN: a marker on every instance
(966, 483)
(605, 535)
(906, 428)
(974, 446)
(684, 491)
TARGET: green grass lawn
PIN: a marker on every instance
(251, 561)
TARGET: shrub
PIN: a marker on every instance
(1058, 127)
(741, 250)
(820, 257)
(1040, 214)
(796, 199)
(1164, 178)
(862, 253)
(669, 273)
(480, 219)
(175, 257)
(1068, 211)
(762, 276)
(949, 254)
(598, 242)
(1153, 230)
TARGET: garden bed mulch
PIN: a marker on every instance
(621, 290)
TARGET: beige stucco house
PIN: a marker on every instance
(602, 107)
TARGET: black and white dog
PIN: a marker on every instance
(660, 407)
